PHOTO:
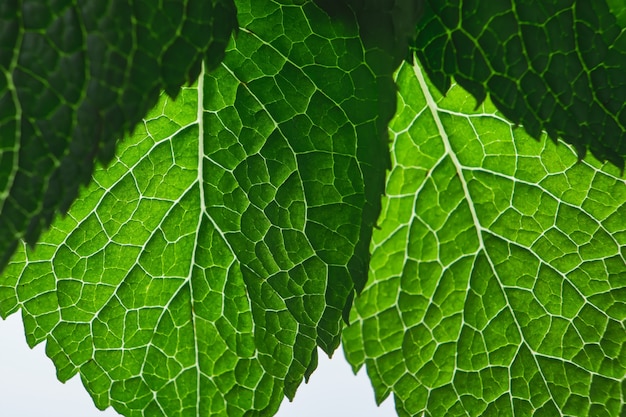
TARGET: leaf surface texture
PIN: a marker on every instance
(200, 271)
(496, 280)
(75, 76)
(554, 66)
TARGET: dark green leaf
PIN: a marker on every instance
(75, 77)
(553, 66)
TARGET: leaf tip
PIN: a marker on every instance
(312, 366)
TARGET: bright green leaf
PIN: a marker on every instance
(200, 271)
(497, 272)
(202, 268)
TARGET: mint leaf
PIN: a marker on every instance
(555, 67)
(199, 272)
(75, 77)
(496, 276)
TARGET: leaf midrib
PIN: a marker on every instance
(434, 109)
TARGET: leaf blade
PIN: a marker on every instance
(201, 269)
(481, 300)
(545, 68)
(75, 78)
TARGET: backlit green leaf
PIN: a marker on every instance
(200, 271)
(202, 268)
(497, 276)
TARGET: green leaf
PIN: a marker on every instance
(74, 78)
(496, 280)
(200, 271)
(554, 66)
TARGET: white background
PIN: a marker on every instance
(29, 388)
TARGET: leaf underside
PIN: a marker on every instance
(496, 280)
(199, 272)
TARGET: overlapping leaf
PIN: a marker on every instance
(553, 66)
(75, 77)
(497, 276)
(201, 270)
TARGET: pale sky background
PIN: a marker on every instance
(29, 388)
